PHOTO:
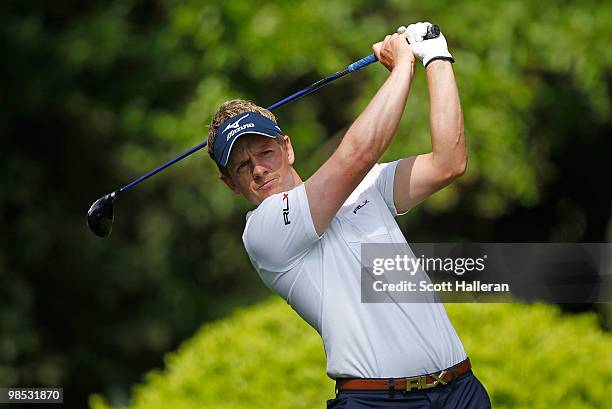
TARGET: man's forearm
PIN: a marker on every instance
(446, 119)
(376, 125)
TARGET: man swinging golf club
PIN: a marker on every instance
(304, 236)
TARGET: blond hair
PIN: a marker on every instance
(229, 109)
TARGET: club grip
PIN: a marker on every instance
(433, 31)
(365, 61)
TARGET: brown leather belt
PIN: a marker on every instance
(405, 384)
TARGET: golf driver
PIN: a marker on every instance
(100, 214)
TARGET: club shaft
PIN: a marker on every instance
(357, 65)
(162, 167)
(432, 32)
(311, 88)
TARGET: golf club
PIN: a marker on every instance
(100, 215)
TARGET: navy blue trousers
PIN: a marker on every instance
(465, 392)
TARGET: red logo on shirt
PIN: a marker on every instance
(286, 208)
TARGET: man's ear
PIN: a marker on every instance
(229, 183)
(289, 150)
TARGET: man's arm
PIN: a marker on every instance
(417, 177)
(366, 139)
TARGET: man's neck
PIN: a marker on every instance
(297, 180)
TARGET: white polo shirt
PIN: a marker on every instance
(320, 278)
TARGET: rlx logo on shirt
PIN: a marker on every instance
(286, 208)
(365, 202)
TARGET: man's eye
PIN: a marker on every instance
(241, 167)
(268, 152)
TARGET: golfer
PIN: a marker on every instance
(304, 236)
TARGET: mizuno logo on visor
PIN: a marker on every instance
(235, 124)
(240, 128)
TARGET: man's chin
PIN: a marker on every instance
(269, 192)
(263, 194)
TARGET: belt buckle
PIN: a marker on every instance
(420, 382)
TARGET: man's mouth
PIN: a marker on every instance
(266, 184)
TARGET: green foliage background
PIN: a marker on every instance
(267, 357)
(96, 93)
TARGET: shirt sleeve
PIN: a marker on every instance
(383, 177)
(280, 231)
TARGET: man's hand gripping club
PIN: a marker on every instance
(426, 50)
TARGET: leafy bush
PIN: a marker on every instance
(266, 357)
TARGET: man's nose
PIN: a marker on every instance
(258, 169)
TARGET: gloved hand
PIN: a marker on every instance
(426, 50)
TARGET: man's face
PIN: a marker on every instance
(259, 167)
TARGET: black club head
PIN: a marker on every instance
(100, 215)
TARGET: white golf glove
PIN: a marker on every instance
(426, 50)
